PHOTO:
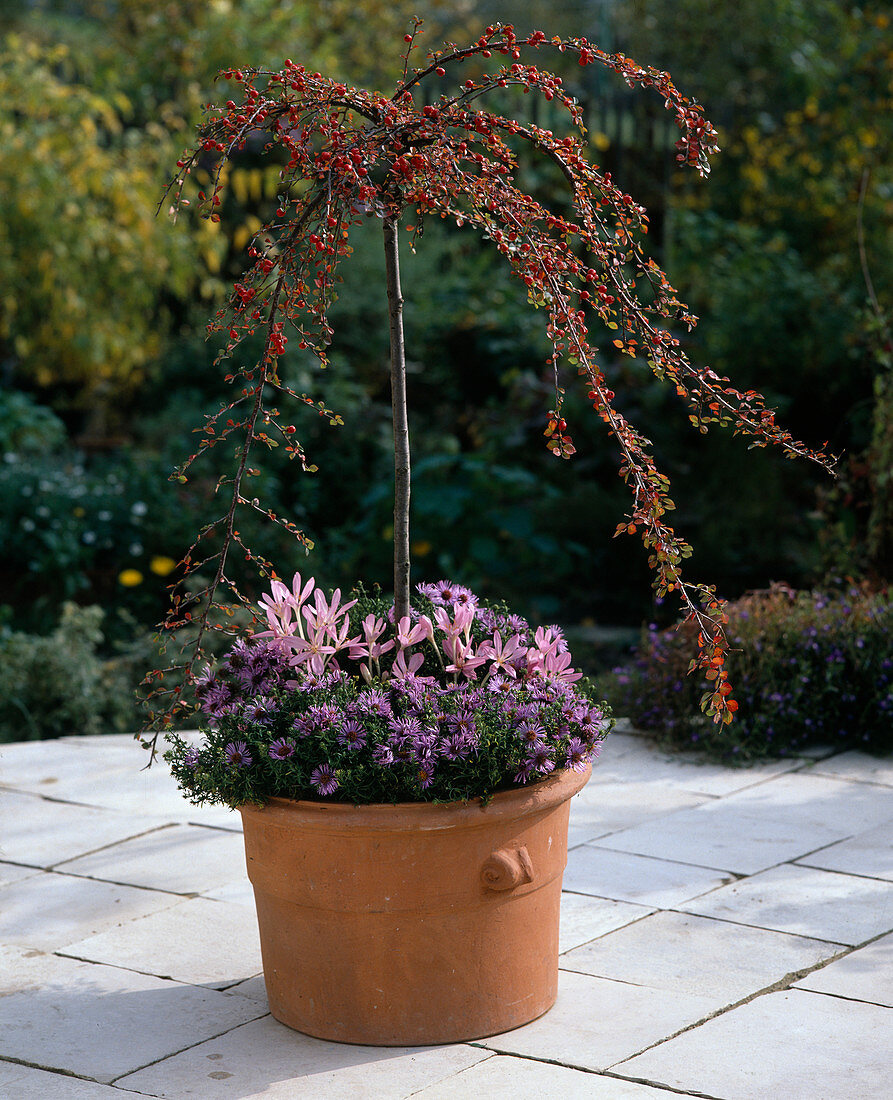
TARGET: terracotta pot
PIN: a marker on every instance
(411, 924)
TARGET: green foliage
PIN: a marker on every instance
(59, 684)
(810, 669)
(27, 428)
(83, 261)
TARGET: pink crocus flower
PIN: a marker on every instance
(405, 666)
(282, 607)
(462, 657)
(325, 615)
(506, 656)
(372, 630)
(407, 634)
(313, 652)
(557, 666)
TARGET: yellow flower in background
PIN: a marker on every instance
(130, 578)
(161, 565)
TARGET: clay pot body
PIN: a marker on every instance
(411, 924)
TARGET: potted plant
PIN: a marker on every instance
(403, 767)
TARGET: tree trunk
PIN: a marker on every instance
(401, 423)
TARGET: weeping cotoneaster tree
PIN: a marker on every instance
(349, 154)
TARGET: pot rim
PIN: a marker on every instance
(532, 798)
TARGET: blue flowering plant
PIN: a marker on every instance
(336, 701)
(812, 668)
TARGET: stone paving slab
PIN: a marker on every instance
(50, 911)
(19, 1082)
(584, 918)
(761, 826)
(178, 943)
(596, 1022)
(12, 872)
(41, 833)
(859, 766)
(604, 808)
(185, 859)
(864, 975)
(632, 759)
(702, 957)
(107, 772)
(267, 1060)
(659, 945)
(794, 1044)
(503, 1077)
(868, 854)
(103, 1021)
(805, 902)
(659, 883)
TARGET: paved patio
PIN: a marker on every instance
(725, 933)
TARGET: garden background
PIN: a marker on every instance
(785, 253)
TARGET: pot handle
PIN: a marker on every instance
(507, 868)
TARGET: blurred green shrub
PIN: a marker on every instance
(58, 684)
(808, 669)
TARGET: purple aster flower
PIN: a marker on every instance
(515, 623)
(322, 716)
(442, 593)
(237, 754)
(324, 779)
(577, 755)
(405, 727)
(486, 618)
(542, 760)
(456, 746)
(374, 702)
(383, 756)
(191, 759)
(282, 748)
(525, 770)
(427, 590)
(352, 735)
(532, 734)
(425, 773)
(261, 709)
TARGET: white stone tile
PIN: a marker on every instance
(50, 911)
(203, 942)
(134, 790)
(41, 766)
(254, 989)
(864, 975)
(502, 1077)
(868, 853)
(40, 832)
(102, 1021)
(793, 1044)
(596, 1022)
(11, 872)
(779, 820)
(267, 1061)
(106, 772)
(239, 893)
(603, 808)
(859, 766)
(185, 859)
(26, 1083)
(806, 902)
(696, 955)
(583, 918)
(638, 761)
(658, 883)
